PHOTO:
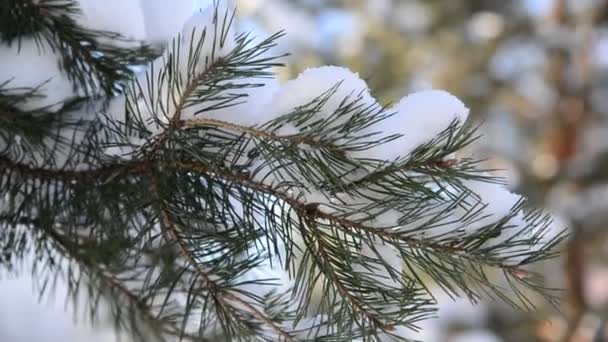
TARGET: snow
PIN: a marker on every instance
(256, 92)
(53, 320)
(193, 28)
(299, 26)
(119, 16)
(125, 17)
(459, 311)
(312, 83)
(249, 110)
(537, 7)
(277, 279)
(420, 17)
(387, 219)
(498, 201)
(419, 118)
(487, 204)
(309, 327)
(161, 108)
(153, 21)
(124, 151)
(476, 336)
(114, 110)
(492, 203)
(42, 71)
(165, 19)
(537, 91)
(485, 25)
(378, 271)
(600, 49)
(341, 32)
(516, 57)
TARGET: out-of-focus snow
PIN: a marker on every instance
(23, 318)
(420, 17)
(536, 90)
(476, 336)
(154, 21)
(165, 19)
(42, 72)
(214, 19)
(459, 311)
(516, 57)
(600, 49)
(340, 32)
(485, 25)
(124, 17)
(281, 15)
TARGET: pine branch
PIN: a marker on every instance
(188, 195)
(322, 260)
(73, 251)
(90, 62)
(308, 210)
(221, 295)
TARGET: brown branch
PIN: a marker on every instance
(255, 132)
(201, 122)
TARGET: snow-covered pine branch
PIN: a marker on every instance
(200, 197)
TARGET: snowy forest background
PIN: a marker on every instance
(535, 72)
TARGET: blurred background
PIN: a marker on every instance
(535, 73)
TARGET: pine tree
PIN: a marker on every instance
(198, 199)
